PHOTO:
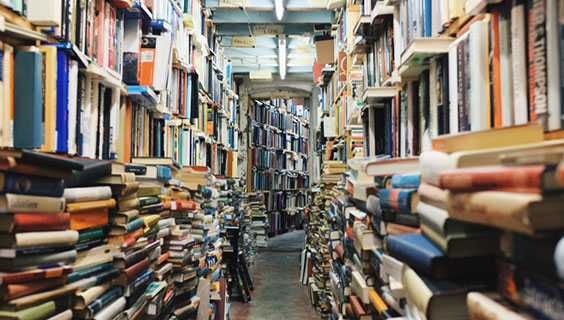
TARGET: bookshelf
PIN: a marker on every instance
(278, 165)
(443, 83)
(125, 114)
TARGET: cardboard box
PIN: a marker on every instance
(325, 49)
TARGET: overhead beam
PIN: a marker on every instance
(294, 69)
(265, 5)
(269, 17)
(268, 42)
(242, 29)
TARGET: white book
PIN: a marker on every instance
(45, 13)
(553, 66)
(453, 87)
(112, 310)
(518, 47)
(433, 106)
(479, 83)
(65, 315)
(72, 106)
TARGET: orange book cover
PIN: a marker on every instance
(147, 66)
(89, 219)
(496, 69)
(230, 163)
(90, 205)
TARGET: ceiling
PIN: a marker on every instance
(250, 32)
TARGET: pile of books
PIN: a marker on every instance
(332, 170)
(256, 219)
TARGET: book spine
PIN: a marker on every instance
(87, 194)
(466, 180)
(90, 233)
(142, 281)
(28, 239)
(32, 185)
(506, 69)
(45, 259)
(89, 219)
(397, 199)
(406, 181)
(99, 205)
(146, 201)
(136, 269)
(27, 222)
(88, 272)
(104, 300)
(537, 61)
(496, 68)
(135, 257)
(518, 46)
(461, 59)
(34, 204)
(38, 274)
(553, 67)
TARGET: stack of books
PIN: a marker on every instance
(37, 247)
(332, 170)
(256, 219)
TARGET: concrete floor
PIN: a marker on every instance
(278, 293)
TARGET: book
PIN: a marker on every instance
(27, 239)
(420, 254)
(87, 194)
(38, 260)
(402, 200)
(28, 87)
(30, 185)
(17, 290)
(31, 250)
(392, 166)
(534, 178)
(98, 205)
(157, 161)
(118, 178)
(406, 180)
(43, 310)
(491, 306)
(526, 213)
(499, 137)
(25, 222)
(40, 297)
(89, 219)
(34, 204)
(34, 275)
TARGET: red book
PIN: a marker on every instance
(186, 205)
(34, 275)
(496, 66)
(129, 274)
(17, 290)
(27, 222)
(529, 179)
(357, 307)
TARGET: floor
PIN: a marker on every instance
(278, 292)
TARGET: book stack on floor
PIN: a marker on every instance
(316, 257)
(256, 219)
(332, 170)
(38, 246)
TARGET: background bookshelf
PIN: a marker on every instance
(278, 160)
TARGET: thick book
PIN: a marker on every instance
(17, 290)
(118, 178)
(82, 299)
(98, 205)
(492, 138)
(423, 256)
(99, 303)
(31, 250)
(87, 194)
(34, 204)
(28, 97)
(521, 212)
(129, 274)
(402, 200)
(89, 272)
(28, 222)
(34, 275)
(89, 219)
(387, 167)
(408, 180)
(533, 178)
(91, 170)
(463, 244)
(441, 299)
(124, 217)
(121, 229)
(30, 185)
(169, 162)
(41, 311)
(38, 260)
(492, 306)
(28, 239)
(138, 169)
(39, 297)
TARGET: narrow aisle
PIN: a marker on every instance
(278, 293)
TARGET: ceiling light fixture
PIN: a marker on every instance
(279, 5)
(282, 56)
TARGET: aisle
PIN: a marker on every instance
(278, 293)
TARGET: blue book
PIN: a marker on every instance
(134, 225)
(31, 185)
(402, 200)
(105, 299)
(409, 180)
(88, 272)
(428, 18)
(63, 66)
(422, 256)
(28, 100)
(164, 173)
(142, 281)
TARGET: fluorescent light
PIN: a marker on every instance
(279, 4)
(282, 56)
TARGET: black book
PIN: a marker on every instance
(92, 170)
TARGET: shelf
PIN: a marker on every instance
(158, 25)
(376, 95)
(379, 12)
(73, 50)
(137, 11)
(363, 26)
(474, 7)
(143, 95)
(416, 56)
(392, 79)
(106, 76)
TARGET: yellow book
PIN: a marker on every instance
(50, 104)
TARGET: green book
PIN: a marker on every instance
(38, 312)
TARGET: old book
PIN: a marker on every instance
(491, 306)
(38, 260)
(27, 239)
(119, 178)
(124, 217)
(39, 297)
(23, 203)
(388, 167)
(89, 219)
(28, 222)
(30, 185)
(91, 206)
(43, 310)
(87, 194)
(17, 290)
(526, 213)
(34, 275)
